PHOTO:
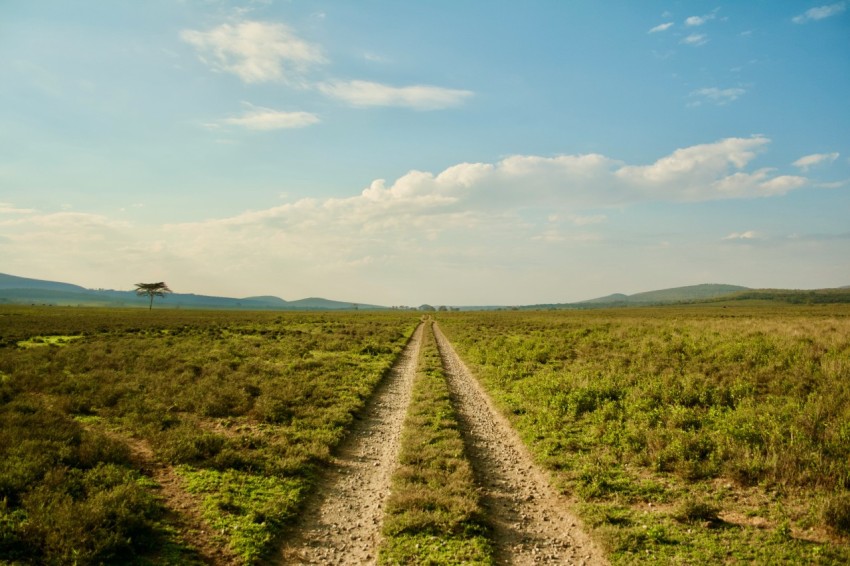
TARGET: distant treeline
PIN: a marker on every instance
(818, 296)
(787, 296)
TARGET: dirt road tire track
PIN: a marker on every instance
(531, 522)
(341, 522)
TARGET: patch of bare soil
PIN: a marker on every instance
(341, 523)
(531, 521)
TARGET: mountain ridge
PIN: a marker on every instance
(706, 294)
(674, 294)
(29, 291)
(25, 290)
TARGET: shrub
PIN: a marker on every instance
(691, 510)
(96, 516)
(836, 512)
(185, 444)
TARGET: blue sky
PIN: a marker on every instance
(443, 152)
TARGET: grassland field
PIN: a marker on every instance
(242, 407)
(687, 435)
(684, 435)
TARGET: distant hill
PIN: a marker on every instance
(318, 303)
(607, 299)
(792, 296)
(709, 293)
(26, 291)
(682, 294)
(15, 282)
(689, 293)
(267, 299)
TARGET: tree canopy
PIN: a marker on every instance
(152, 290)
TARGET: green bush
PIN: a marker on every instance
(99, 515)
(692, 510)
(836, 512)
(186, 444)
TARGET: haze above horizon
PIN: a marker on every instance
(440, 152)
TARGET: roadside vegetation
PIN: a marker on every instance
(433, 514)
(242, 407)
(688, 434)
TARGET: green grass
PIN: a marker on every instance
(247, 405)
(37, 341)
(689, 435)
(433, 514)
(244, 509)
(69, 495)
(736, 418)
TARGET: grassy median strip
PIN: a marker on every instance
(433, 514)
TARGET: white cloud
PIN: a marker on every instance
(259, 52)
(374, 57)
(834, 184)
(695, 39)
(65, 242)
(418, 97)
(820, 13)
(661, 27)
(748, 235)
(715, 95)
(483, 209)
(78, 222)
(489, 196)
(588, 220)
(782, 184)
(259, 118)
(550, 235)
(701, 172)
(814, 159)
(696, 173)
(9, 208)
(695, 21)
(255, 51)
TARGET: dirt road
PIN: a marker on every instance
(342, 522)
(530, 520)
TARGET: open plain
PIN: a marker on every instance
(671, 435)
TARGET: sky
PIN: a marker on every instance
(441, 152)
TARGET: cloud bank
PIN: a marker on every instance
(506, 219)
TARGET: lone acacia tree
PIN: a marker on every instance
(152, 290)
